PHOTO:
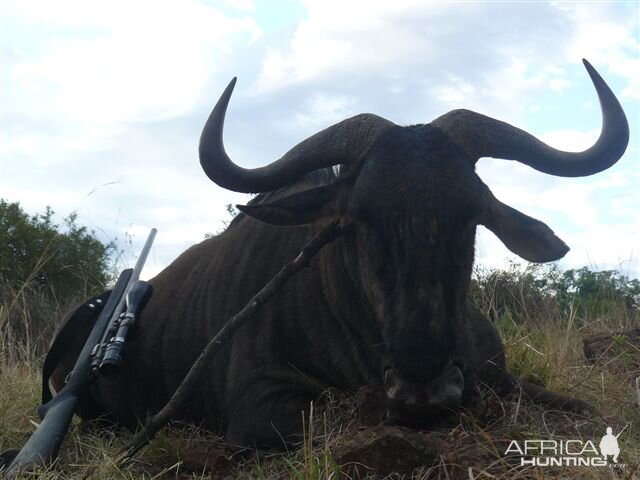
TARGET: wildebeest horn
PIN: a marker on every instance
(482, 136)
(344, 142)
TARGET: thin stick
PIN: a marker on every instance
(192, 379)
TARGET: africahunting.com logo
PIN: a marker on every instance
(574, 453)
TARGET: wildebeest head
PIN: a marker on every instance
(415, 200)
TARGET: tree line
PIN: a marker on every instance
(47, 266)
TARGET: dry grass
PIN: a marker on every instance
(545, 347)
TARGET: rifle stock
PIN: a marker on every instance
(43, 445)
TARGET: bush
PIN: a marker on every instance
(543, 292)
(44, 267)
(597, 294)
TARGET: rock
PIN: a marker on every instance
(200, 457)
(371, 405)
(621, 346)
(387, 449)
(372, 410)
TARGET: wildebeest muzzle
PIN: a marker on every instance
(414, 403)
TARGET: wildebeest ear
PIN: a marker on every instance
(525, 236)
(303, 207)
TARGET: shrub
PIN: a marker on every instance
(44, 267)
(543, 292)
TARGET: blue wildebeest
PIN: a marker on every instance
(386, 303)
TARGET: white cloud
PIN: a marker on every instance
(606, 36)
(122, 61)
(322, 110)
(570, 140)
(456, 91)
(85, 87)
(363, 37)
(594, 244)
(101, 92)
(242, 5)
(477, 55)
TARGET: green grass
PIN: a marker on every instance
(543, 343)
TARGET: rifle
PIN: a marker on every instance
(101, 354)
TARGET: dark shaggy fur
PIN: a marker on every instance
(391, 293)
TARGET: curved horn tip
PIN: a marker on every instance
(593, 73)
(229, 90)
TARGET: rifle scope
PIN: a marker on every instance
(136, 297)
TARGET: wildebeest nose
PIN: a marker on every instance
(417, 402)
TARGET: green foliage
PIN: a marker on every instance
(592, 293)
(67, 261)
(539, 291)
(511, 293)
(44, 268)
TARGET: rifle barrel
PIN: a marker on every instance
(135, 275)
(43, 445)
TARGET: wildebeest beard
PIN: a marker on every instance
(423, 294)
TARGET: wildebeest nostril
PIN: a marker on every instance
(412, 403)
(395, 386)
(445, 390)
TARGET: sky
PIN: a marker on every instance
(102, 104)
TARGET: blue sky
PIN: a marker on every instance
(102, 104)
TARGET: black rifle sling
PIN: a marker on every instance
(67, 336)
